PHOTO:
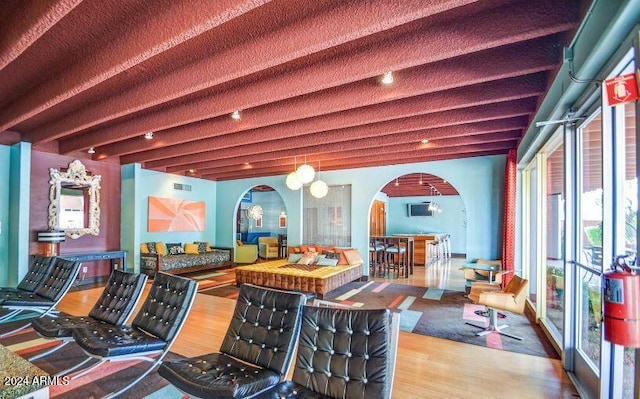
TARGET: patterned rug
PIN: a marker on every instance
(220, 283)
(427, 311)
(103, 380)
(443, 314)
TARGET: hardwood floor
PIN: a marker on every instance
(427, 367)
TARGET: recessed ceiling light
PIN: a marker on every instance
(91, 150)
(148, 135)
(396, 183)
(387, 78)
(424, 141)
(235, 115)
(246, 163)
(192, 171)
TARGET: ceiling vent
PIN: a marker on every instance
(182, 187)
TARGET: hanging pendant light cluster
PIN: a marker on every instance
(304, 174)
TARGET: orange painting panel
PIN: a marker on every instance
(169, 214)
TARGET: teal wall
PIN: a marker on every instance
(452, 219)
(480, 182)
(272, 205)
(137, 186)
(19, 203)
(5, 169)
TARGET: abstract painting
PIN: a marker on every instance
(170, 214)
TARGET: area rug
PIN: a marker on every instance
(427, 311)
(443, 314)
(220, 283)
(103, 380)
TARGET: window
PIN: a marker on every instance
(327, 220)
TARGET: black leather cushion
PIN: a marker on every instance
(175, 249)
(23, 298)
(59, 280)
(156, 324)
(264, 327)
(166, 306)
(56, 284)
(112, 308)
(290, 390)
(118, 297)
(217, 376)
(63, 326)
(109, 340)
(40, 267)
(344, 353)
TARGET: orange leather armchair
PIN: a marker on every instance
(268, 247)
(511, 298)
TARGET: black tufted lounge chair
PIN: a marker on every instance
(342, 354)
(46, 297)
(152, 332)
(118, 299)
(256, 351)
(39, 268)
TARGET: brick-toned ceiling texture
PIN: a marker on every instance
(469, 75)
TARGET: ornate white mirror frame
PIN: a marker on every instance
(76, 175)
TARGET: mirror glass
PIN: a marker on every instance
(74, 201)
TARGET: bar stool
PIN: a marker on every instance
(395, 256)
(376, 256)
(447, 242)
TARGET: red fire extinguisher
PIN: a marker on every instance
(622, 305)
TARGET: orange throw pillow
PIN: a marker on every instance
(353, 257)
(239, 243)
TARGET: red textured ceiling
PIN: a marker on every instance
(468, 77)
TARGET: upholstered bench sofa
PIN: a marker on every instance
(291, 274)
(192, 257)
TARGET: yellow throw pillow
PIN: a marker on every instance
(161, 249)
(191, 249)
(144, 249)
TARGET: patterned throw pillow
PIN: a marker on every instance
(151, 247)
(175, 249)
(203, 246)
(332, 255)
(307, 259)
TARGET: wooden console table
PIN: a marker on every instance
(106, 255)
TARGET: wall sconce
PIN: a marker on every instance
(52, 239)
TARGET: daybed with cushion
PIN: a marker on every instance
(297, 275)
(176, 258)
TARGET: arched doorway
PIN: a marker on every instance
(261, 212)
(420, 205)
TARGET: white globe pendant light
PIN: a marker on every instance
(319, 189)
(292, 181)
(305, 173)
